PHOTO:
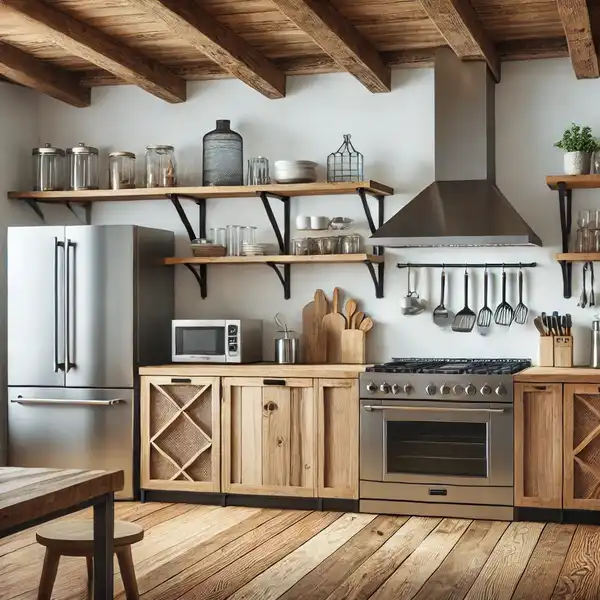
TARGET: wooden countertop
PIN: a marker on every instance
(558, 375)
(255, 370)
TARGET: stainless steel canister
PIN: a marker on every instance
(595, 353)
(287, 349)
(48, 169)
(83, 167)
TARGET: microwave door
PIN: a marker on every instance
(204, 343)
(35, 306)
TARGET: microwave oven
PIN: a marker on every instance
(217, 341)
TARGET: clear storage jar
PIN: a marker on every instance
(83, 167)
(121, 170)
(161, 167)
(48, 169)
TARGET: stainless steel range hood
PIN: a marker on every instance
(463, 206)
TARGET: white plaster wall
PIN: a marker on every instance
(395, 133)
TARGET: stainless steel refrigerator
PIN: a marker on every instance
(86, 306)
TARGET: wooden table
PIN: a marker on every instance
(29, 497)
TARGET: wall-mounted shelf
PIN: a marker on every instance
(578, 257)
(573, 182)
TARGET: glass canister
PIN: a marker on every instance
(121, 170)
(83, 167)
(48, 169)
(161, 167)
(222, 161)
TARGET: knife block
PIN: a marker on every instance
(556, 351)
(546, 351)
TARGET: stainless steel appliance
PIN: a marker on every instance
(217, 340)
(86, 306)
(436, 437)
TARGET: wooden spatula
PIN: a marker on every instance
(333, 324)
(366, 325)
(314, 338)
(357, 320)
(350, 309)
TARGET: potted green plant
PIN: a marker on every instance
(579, 144)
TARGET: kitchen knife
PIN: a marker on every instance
(555, 324)
(545, 322)
(569, 324)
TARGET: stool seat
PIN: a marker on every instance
(77, 537)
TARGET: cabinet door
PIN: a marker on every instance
(337, 437)
(269, 437)
(180, 427)
(582, 446)
(538, 445)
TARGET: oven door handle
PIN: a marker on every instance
(370, 408)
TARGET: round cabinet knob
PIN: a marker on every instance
(384, 388)
(445, 389)
(471, 389)
(408, 388)
(430, 390)
(486, 390)
(371, 387)
(501, 390)
(458, 390)
(396, 389)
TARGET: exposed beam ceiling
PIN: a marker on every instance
(94, 46)
(340, 40)
(575, 18)
(186, 20)
(461, 28)
(23, 68)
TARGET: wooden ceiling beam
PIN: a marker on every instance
(189, 22)
(43, 77)
(463, 31)
(96, 47)
(576, 22)
(340, 40)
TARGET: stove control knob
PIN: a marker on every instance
(458, 390)
(408, 388)
(471, 389)
(371, 387)
(384, 388)
(501, 390)
(396, 389)
(430, 390)
(445, 389)
(486, 390)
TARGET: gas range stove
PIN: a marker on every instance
(446, 379)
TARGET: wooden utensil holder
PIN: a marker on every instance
(556, 351)
(353, 347)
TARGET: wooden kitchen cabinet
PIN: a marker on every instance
(337, 437)
(269, 436)
(538, 435)
(180, 433)
(582, 446)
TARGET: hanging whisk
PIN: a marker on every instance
(345, 164)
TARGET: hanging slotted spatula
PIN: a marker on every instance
(484, 318)
(504, 313)
(441, 316)
(464, 321)
(521, 310)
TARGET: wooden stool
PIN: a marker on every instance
(76, 538)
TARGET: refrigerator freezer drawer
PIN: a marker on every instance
(72, 428)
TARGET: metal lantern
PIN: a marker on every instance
(345, 164)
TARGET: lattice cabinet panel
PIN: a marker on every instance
(180, 420)
(582, 446)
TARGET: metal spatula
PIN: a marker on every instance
(441, 316)
(464, 321)
(504, 313)
(484, 318)
(521, 311)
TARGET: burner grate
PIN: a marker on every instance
(453, 366)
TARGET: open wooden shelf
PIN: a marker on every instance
(278, 259)
(574, 182)
(200, 192)
(579, 256)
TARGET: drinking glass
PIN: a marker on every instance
(218, 235)
(247, 235)
(583, 218)
(258, 171)
(233, 240)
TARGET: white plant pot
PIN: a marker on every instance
(577, 163)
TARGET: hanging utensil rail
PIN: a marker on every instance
(467, 265)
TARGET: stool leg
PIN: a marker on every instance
(90, 577)
(128, 573)
(51, 560)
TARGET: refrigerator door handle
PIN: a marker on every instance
(69, 364)
(58, 366)
(66, 402)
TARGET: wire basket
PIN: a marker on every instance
(345, 164)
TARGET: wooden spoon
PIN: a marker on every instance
(350, 310)
(357, 320)
(367, 324)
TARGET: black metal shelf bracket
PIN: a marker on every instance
(36, 209)
(284, 272)
(87, 212)
(377, 274)
(565, 206)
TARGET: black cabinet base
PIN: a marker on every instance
(556, 515)
(292, 503)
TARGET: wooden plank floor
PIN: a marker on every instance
(209, 553)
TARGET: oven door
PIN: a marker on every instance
(199, 341)
(437, 442)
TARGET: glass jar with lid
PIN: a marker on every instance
(48, 169)
(161, 167)
(121, 170)
(83, 167)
